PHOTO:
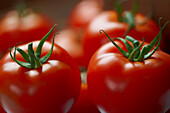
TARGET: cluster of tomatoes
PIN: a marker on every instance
(87, 67)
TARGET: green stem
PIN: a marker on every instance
(22, 9)
(126, 54)
(135, 53)
(34, 61)
(32, 58)
(128, 17)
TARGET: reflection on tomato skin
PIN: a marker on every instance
(52, 88)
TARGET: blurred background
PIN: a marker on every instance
(58, 10)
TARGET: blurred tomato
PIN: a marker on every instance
(83, 12)
(70, 40)
(84, 103)
(22, 27)
(2, 110)
(108, 21)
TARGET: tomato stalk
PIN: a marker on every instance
(134, 53)
(128, 16)
(32, 58)
(22, 9)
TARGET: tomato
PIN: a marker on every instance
(79, 17)
(70, 40)
(84, 103)
(137, 84)
(108, 21)
(17, 28)
(83, 12)
(2, 110)
(51, 87)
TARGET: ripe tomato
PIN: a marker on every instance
(16, 28)
(83, 12)
(118, 84)
(108, 21)
(50, 88)
(84, 103)
(70, 40)
(2, 110)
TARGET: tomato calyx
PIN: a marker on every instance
(134, 53)
(32, 58)
(128, 17)
(22, 9)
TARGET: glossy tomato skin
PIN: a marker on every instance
(22, 29)
(108, 21)
(117, 85)
(83, 12)
(70, 39)
(84, 103)
(53, 88)
(2, 110)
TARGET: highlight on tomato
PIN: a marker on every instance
(42, 78)
(22, 27)
(130, 76)
(117, 23)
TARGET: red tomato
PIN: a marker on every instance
(52, 88)
(83, 12)
(22, 29)
(70, 40)
(108, 21)
(84, 103)
(118, 85)
(2, 110)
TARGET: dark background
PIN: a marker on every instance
(58, 10)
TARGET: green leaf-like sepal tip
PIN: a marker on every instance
(32, 58)
(128, 16)
(135, 53)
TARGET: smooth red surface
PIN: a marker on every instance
(83, 12)
(15, 29)
(53, 88)
(84, 103)
(108, 21)
(117, 85)
(2, 110)
(70, 40)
